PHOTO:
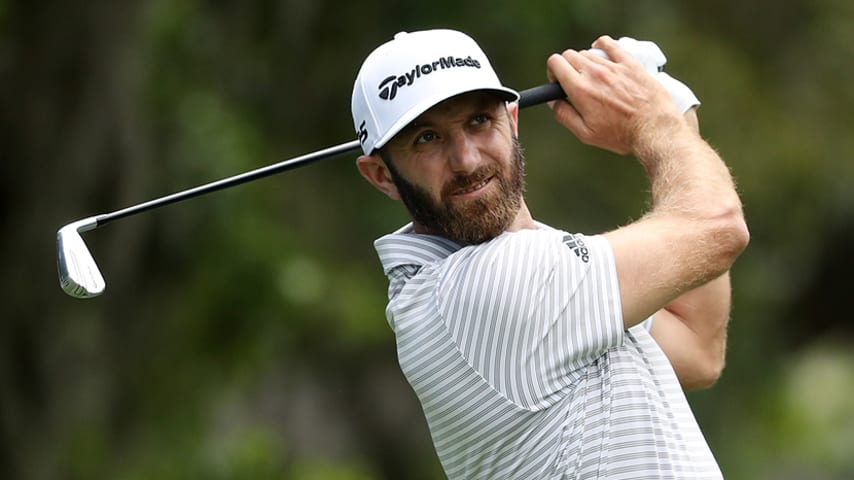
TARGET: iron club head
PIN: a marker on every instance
(78, 273)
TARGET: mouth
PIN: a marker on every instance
(472, 188)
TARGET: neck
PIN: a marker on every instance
(523, 220)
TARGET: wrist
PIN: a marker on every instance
(660, 138)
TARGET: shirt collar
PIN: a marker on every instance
(405, 247)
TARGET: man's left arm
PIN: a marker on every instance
(691, 330)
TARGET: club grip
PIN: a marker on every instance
(541, 94)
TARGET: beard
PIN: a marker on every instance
(474, 221)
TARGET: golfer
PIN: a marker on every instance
(537, 353)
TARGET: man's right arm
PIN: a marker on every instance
(695, 229)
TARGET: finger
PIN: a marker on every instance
(578, 60)
(596, 58)
(569, 68)
(560, 68)
(610, 46)
(568, 116)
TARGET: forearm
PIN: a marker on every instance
(687, 177)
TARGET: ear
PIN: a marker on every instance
(376, 172)
(513, 111)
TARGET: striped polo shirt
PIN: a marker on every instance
(517, 351)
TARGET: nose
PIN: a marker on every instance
(463, 154)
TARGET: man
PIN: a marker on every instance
(538, 353)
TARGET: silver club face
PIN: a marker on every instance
(78, 273)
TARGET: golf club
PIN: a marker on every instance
(79, 275)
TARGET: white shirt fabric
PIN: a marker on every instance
(517, 351)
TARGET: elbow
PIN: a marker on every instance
(730, 236)
(737, 235)
(704, 374)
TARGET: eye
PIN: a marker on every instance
(425, 137)
(480, 119)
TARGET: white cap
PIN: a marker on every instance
(405, 77)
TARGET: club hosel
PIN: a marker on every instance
(83, 225)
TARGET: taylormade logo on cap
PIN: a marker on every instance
(388, 87)
(408, 75)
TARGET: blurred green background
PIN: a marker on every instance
(242, 335)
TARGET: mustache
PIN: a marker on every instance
(461, 181)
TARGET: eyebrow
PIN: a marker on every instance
(412, 127)
(482, 103)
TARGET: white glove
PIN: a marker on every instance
(652, 59)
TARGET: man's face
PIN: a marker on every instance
(459, 169)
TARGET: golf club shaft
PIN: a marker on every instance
(229, 182)
(527, 98)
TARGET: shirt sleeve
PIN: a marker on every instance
(529, 309)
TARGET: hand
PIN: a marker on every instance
(613, 104)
